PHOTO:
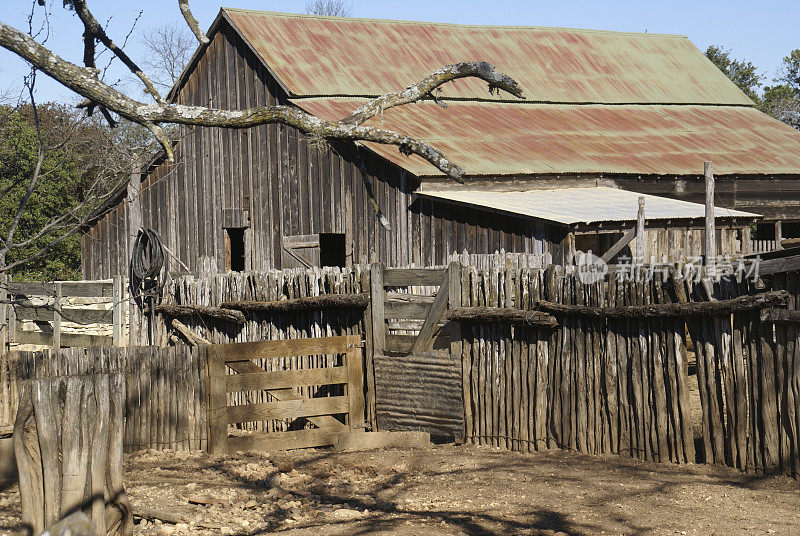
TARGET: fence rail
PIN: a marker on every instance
(64, 313)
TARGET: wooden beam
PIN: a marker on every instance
(406, 277)
(118, 310)
(57, 317)
(175, 310)
(619, 244)
(709, 245)
(296, 439)
(300, 304)
(779, 234)
(287, 409)
(378, 301)
(783, 264)
(355, 384)
(43, 338)
(48, 313)
(502, 314)
(284, 379)
(191, 337)
(246, 351)
(704, 308)
(437, 313)
(72, 289)
(780, 316)
(639, 253)
(133, 210)
(404, 309)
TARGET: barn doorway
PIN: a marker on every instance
(234, 249)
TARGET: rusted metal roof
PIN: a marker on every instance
(335, 56)
(579, 205)
(517, 139)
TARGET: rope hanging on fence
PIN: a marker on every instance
(147, 260)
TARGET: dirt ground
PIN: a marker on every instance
(448, 490)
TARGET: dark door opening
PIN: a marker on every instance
(332, 250)
(234, 249)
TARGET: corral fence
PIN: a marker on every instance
(63, 313)
(525, 358)
(165, 389)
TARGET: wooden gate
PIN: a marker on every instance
(288, 404)
(415, 376)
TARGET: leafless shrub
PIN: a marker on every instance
(329, 8)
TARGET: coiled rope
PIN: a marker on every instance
(147, 260)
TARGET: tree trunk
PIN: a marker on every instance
(68, 444)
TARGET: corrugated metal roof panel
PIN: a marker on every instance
(314, 55)
(515, 139)
(580, 205)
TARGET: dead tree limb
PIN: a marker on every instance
(192, 22)
(425, 87)
(93, 30)
(153, 514)
(780, 316)
(86, 83)
(502, 314)
(300, 304)
(704, 308)
(178, 311)
(191, 337)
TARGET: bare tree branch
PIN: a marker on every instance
(93, 30)
(86, 84)
(427, 85)
(192, 22)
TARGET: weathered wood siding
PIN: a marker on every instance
(289, 185)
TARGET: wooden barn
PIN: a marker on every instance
(606, 115)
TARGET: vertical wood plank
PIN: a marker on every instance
(217, 403)
(355, 385)
(454, 299)
(117, 310)
(57, 315)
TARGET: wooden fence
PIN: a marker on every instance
(593, 385)
(596, 383)
(60, 312)
(164, 389)
(748, 368)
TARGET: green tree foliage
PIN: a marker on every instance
(83, 161)
(783, 99)
(62, 179)
(742, 73)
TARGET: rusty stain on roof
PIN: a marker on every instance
(526, 138)
(335, 56)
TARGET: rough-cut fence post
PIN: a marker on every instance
(709, 242)
(68, 444)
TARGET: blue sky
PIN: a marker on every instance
(761, 32)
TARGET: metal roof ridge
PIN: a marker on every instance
(454, 24)
(523, 101)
